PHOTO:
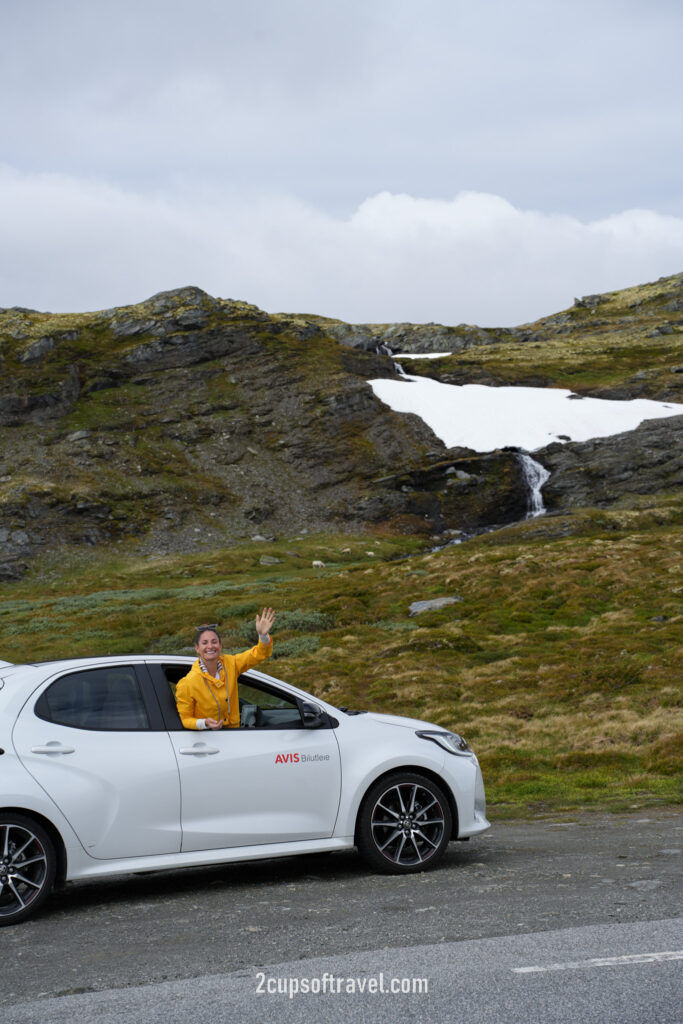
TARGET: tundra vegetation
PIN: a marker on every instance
(141, 457)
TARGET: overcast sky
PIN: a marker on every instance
(374, 160)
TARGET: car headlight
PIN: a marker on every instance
(450, 741)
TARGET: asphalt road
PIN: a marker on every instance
(554, 894)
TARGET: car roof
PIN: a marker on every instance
(23, 679)
(101, 659)
(30, 672)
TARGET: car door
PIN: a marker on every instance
(273, 780)
(97, 746)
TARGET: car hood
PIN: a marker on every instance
(407, 723)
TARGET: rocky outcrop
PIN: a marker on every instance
(610, 470)
(463, 492)
(435, 605)
(47, 403)
(413, 338)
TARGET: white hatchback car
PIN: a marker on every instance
(99, 777)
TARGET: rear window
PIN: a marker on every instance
(98, 699)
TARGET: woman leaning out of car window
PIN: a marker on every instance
(207, 695)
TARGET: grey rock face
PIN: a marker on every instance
(603, 471)
(461, 491)
(168, 301)
(37, 350)
(589, 301)
(411, 338)
(128, 326)
(183, 309)
(16, 409)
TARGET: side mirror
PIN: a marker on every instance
(313, 716)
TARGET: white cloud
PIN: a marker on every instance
(73, 244)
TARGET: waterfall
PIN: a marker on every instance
(384, 350)
(535, 476)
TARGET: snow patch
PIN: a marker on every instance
(485, 418)
(421, 355)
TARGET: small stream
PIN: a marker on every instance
(383, 349)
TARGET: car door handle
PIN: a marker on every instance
(53, 748)
(199, 749)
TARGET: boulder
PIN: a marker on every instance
(417, 607)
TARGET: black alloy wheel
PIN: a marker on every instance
(404, 824)
(27, 867)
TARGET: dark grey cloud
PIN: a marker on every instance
(566, 106)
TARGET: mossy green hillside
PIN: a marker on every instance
(561, 662)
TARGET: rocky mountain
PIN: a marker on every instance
(187, 421)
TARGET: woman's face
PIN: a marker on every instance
(209, 645)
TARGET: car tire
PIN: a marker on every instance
(27, 867)
(404, 824)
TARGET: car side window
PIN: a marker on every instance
(99, 699)
(266, 709)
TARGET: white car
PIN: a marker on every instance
(99, 777)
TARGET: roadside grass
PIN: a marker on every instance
(561, 663)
